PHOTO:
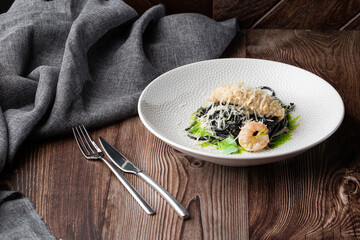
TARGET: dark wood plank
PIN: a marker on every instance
(68, 191)
(309, 14)
(81, 199)
(237, 48)
(247, 12)
(298, 14)
(353, 24)
(5, 5)
(172, 7)
(315, 194)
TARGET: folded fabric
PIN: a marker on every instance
(66, 62)
(19, 219)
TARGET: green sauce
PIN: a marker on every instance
(229, 145)
(280, 140)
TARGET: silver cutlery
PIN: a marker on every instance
(91, 151)
(124, 164)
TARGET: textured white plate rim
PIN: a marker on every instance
(235, 156)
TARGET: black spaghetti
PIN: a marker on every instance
(233, 128)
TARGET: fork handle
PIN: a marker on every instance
(180, 210)
(130, 188)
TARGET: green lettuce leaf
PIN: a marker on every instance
(229, 145)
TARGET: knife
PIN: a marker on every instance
(125, 165)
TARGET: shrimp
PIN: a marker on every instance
(253, 136)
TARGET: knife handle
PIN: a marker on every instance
(170, 199)
(130, 188)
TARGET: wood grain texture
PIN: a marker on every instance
(353, 23)
(172, 6)
(313, 184)
(315, 195)
(285, 14)
(247, 12)
(309, 14)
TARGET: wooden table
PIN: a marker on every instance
(315, 195)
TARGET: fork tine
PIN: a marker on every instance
(87, 146)
(80, 141)
(86, 139)
(89, 138)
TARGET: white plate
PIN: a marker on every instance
(167, 103)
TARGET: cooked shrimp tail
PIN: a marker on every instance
(253, 136)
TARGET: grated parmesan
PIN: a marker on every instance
(249, 98)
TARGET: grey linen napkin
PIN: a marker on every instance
(66, 62)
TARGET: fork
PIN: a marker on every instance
(91, 151)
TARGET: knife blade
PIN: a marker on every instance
(127, 166)
(121, 162)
